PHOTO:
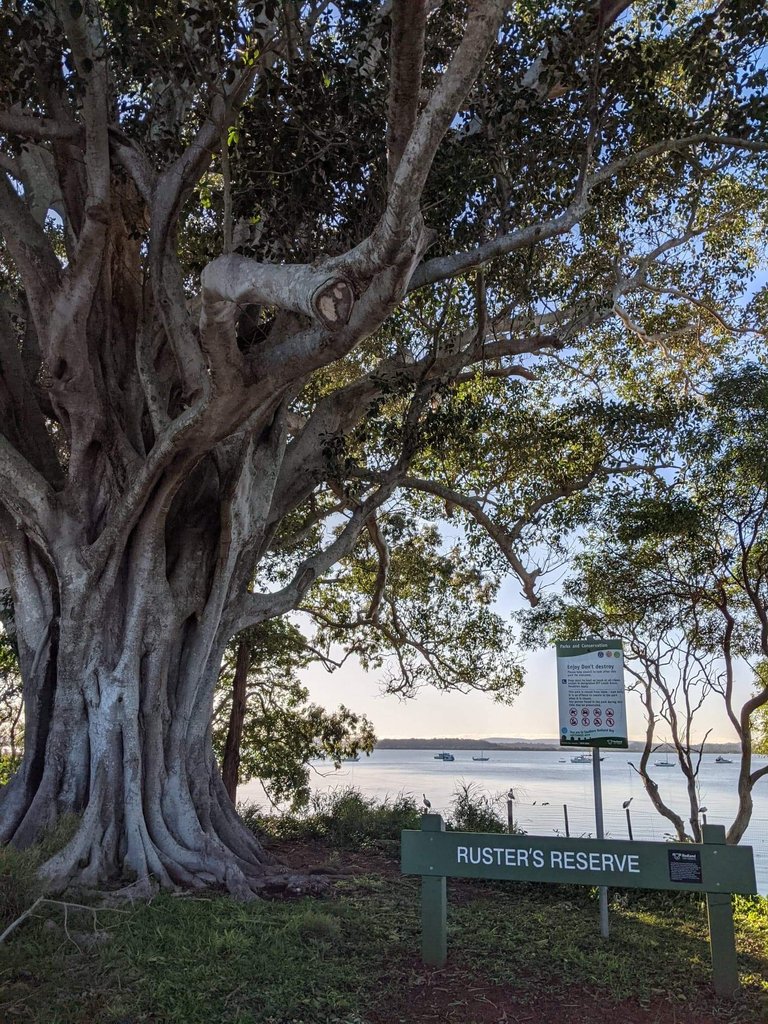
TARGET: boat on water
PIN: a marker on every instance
(723, 760)
(583, 759)
(444, 756)
(664, 764)
(346, 760)
(562, 761)
(480, 757)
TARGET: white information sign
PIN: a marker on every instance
(590, 690)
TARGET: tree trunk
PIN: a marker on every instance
(230, 767)
(118, 711)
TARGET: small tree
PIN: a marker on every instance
(680, 572)
(265, 727)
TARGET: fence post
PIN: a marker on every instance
(722, 938)
(434, 925)
(567, 827)
(629, 824)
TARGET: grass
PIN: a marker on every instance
(352, 957)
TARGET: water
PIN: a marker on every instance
(542, 784)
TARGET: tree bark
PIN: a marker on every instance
(118, 700)
(230, 765)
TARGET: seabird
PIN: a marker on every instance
(626, 803)
(426, 802)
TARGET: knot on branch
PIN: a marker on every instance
(332, 302)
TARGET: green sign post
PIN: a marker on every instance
(711, 868)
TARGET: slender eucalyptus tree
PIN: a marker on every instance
(251, 254)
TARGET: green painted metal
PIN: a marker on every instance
(616, 863)
(434, 906)
(722, 936)
(712, 868)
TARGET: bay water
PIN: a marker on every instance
(543, 783)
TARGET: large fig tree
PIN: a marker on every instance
(269, 268)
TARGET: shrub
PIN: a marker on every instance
(347, 818)
(9, 763)
(341, 817)
(475, 811)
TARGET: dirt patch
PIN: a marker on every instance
(455, 996)
(314, 856)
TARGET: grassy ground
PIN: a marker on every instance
(517, 954)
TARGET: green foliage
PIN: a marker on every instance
(759, 717)
(472, 810)
(282, 730)
(19, 885)
(11, 705)
(342, 817)
(9, 764)
(434, 625)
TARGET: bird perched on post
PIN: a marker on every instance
(626, 803)
(426, 802)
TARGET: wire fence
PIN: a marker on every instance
(578, 821)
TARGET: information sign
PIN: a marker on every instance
(590, 691)
(613, 862)
(712, 868)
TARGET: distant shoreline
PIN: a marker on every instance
(458, 743)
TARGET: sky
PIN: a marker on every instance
(533, 715)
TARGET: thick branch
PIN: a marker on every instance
(409, 20)
(444, 267)
(38, 267)
(395, 227)
(16, 122)
(25, 493)
(255, 608)
(299, 288)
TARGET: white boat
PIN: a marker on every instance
(444, 756)
(480, 757)
(664, 764)
(583, 759)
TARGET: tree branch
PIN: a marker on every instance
(444, 267)
(42, 129)
(409, 20)
(300, 288)
(255, 608)
(396, 225)
(26, 494)
(498, 533)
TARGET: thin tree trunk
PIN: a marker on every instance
(230, 766)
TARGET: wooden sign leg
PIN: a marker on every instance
(722, 942)
(722, 937)
(434, 906)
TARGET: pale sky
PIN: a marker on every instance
(533, 715)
